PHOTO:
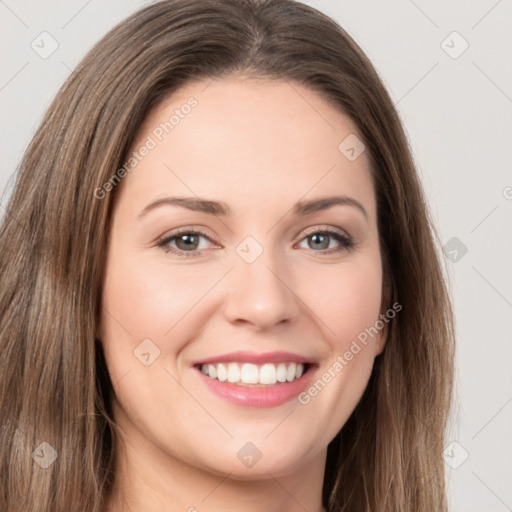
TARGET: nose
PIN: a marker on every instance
(261, 293)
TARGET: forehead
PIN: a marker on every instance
(249, 142)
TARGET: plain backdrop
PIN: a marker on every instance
(447, 66)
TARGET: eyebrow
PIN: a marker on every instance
(221, 208)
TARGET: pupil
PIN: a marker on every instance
(188, 240)
(325, 239)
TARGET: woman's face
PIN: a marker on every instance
(242, 275)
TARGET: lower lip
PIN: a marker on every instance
(258, 396)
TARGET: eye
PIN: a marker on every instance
(184, 243)
(320, 240)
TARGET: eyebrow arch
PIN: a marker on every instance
(221, 208)
(316, 205)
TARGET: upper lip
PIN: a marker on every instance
(256, 358)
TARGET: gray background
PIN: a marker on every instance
(456, 107)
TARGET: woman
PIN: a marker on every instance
(220, 285)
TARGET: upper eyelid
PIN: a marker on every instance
(320, 228)
(185, 231)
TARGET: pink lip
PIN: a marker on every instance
(255, 358)
(259, 396)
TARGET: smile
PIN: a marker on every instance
(249, 374)
(248, 379)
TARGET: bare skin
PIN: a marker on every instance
(260, 147)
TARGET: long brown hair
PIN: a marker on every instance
(54, 387)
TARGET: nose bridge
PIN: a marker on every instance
(259, 289)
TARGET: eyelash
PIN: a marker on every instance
(346, 241)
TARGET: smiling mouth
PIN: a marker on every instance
(254, 375)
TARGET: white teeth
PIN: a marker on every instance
(247, 373)
(211, 370)
(233, 372)
(292, 370)
(281, 373)
(268, 374)
(222, 373)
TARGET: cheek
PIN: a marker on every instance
(346, 298)
(150, 299)
(157, 301)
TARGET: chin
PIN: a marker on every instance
(248, 462)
